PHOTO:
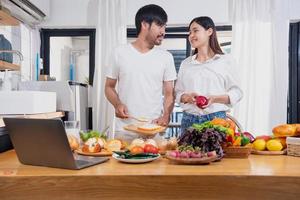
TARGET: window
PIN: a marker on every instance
(69, 50)
(294, 74)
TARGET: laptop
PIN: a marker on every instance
(44, 142)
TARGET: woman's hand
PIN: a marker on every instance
(211, 100)
(224, 99)
(188, 97)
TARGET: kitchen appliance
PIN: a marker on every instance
(71, 97)
(81, 111)
(27, 102)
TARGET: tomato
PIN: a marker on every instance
(149, 148)
(136, 150)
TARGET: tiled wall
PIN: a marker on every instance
(20, 38)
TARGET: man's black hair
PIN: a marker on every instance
(150, 13)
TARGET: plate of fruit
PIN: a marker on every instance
(191, 156)
(269, 145)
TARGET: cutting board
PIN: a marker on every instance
(135, 129)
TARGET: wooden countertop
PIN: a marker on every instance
(255, 165)
(258, 177)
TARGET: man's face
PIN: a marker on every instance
(155, 33)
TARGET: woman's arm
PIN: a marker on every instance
(232, 87)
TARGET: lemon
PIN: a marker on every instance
(259, 144)
(274, 145)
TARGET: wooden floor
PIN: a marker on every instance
(258, 177)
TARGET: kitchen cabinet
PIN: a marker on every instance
(8, 20)
(258, 177)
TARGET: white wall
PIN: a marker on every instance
(71, 13)
(183, 11)
(295, 9)
(83, 13)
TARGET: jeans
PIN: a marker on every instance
(190, 119)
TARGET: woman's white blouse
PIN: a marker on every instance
(212, 77)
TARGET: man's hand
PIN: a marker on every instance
(188, 97)
(162, 121)
(121, 111)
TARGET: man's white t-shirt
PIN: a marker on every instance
(140, 81)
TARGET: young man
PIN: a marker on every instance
(145, 75)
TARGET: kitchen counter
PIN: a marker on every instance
(258, 177)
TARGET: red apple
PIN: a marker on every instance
(264, 137)
(201, 101)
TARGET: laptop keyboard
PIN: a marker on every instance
(81, 162)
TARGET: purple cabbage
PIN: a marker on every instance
(208, 140)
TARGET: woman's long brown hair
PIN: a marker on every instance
(206, 23)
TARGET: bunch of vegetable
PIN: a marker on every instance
(233, 138)
(206, 136)
(239, 139)
(91, 134)
(128, 155)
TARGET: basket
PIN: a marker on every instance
(237, 151)
(238, 125)
(293, 146)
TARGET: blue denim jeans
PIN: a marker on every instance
(190, 119)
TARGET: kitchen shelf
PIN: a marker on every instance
(8, 20)
(10, 66)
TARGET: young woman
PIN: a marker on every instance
(207, 73)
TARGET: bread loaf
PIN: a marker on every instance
(149, 127)
(113, 145)
(297, 129)
(74, 144)
(285, 130)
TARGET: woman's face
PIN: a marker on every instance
(198, 36)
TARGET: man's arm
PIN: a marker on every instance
(113, 97)
(168, 103)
